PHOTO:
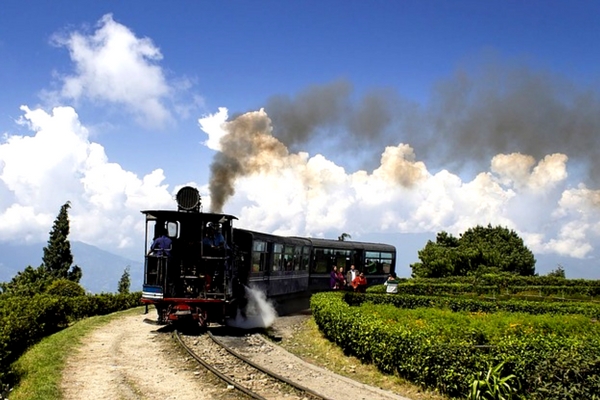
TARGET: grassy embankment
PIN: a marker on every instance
(42, 365)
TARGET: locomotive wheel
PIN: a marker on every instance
(202, 319)
(162, 314)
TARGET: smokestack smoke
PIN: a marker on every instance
(247, 148)
(468, 120)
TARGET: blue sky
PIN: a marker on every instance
(391, 120)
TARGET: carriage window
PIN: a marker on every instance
(288, 258)
(259, 256)
(305, 258)
(386, 261)
(277, 257)
(322, 260)
(378, 262)
(325, 259)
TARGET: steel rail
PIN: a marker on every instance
(215, 371)
(267, 371)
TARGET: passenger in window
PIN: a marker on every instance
(333, 278)
(360, 283)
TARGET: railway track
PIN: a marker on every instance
(218, 354)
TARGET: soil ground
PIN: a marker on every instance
(131, 359)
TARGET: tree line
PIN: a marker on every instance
(57, 272)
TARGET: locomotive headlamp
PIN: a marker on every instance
(188, 199)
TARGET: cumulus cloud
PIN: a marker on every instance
(275, 190)
(114, 66)
(58, 163)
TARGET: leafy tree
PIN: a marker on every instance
(344, 236)
(57, 259)
(28, 282)
(477, 249)
(438, 259)
(65, 287)
(125, 281)
(56, 263)
(559, 272)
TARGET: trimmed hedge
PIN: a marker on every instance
(547, 364)
(26, 320)
(440, 288)
(591, 310)
(502, 284)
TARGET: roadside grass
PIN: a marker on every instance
(41, 367)
(309, 344)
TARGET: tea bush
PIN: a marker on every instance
(26, 320)
(448, 351)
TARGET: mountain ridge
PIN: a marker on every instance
(101, 269)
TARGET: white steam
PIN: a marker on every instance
(260, 312)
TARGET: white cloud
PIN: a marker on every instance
(113, 65)
(519, 170)
(212, 125)
(58, 163)
(303, 195)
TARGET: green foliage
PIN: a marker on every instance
(559, 272)
(455, 303)
(478, 250)
(66, 288)
(58, 258)
(445, 350)
(344, 236)
(494, 386)
(28, 282)
(56, 263)
(501, 285)
(24, 320)
(125, 281)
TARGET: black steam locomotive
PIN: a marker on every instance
(197, 265)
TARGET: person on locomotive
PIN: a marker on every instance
(161, 245)
(214, 237)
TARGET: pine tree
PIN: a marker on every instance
(57, 259)
(125, 281)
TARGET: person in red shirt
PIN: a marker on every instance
(360, 283)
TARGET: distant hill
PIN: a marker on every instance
(101, 270)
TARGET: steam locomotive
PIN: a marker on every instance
(197, 265)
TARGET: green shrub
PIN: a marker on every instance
(65, 288)
(24, 320)
(448, 351)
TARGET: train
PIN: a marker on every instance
(198, 266)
